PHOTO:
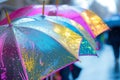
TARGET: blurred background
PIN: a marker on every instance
(106, 65)
(104, 8)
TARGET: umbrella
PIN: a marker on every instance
(33, 48)
(88, 19)
(75, 15)
(88, 44)
(88, 49)
(63, 10)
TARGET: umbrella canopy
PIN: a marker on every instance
(33, 48)
(89, 20)
(88, 44)
(63, 11)
(79, 15)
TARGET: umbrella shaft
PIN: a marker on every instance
(43, 10)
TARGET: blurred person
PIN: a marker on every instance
(64, 74)
(73, 69)
(114, 40)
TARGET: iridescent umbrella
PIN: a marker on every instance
(33, 48)
(49, 10)
(88, 46)
(89, 20)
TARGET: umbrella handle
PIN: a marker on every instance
(57, 2)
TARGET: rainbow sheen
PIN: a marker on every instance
(34, 48)
(88, 44)
(95, 22)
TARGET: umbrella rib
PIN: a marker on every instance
(1, 52)
(19, 53)
(3, 35)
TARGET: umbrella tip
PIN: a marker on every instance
(57, 2)
(7, 16)
(43, 8)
